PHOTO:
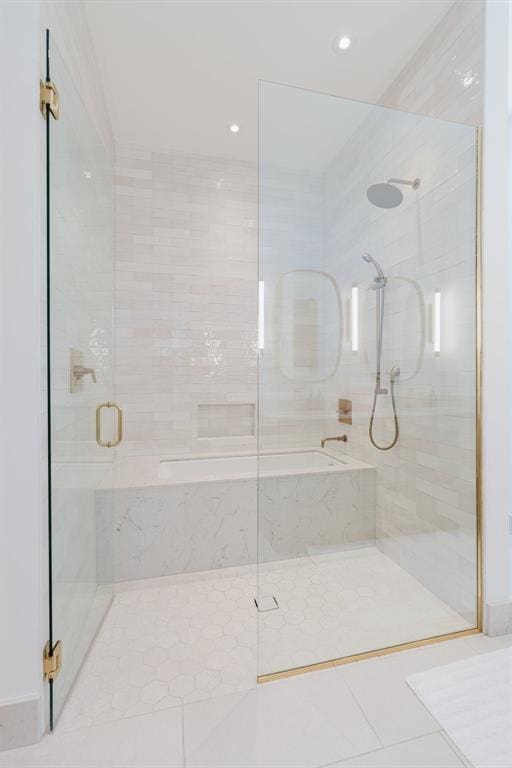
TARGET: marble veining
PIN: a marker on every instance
(170, 529)
(303, 512)
(177, 529)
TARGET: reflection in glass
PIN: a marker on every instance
(361, 548)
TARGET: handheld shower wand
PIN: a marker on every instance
(379, 286)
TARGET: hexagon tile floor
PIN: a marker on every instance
(181, 639)
(162, 645)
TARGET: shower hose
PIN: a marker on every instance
(394, 373)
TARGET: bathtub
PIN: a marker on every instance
(174, 515)
(207, 469)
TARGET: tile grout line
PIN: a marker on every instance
(182, 704)
(388, 746)
(64, 731)
(360, 707)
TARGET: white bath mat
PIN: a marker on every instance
(472, 701)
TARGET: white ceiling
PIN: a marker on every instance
(303, 130)
(177, 73)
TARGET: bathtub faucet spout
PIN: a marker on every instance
(339, 438)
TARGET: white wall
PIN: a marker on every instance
(22, 608)
(70, 32)
(496, 310)
(23, 503)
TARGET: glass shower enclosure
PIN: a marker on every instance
(367, 396)
(368, 379)
(80, 281)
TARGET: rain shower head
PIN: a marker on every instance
(384, 195)
(387, 195)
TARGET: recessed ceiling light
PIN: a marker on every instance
(234, 128)
(342, 43)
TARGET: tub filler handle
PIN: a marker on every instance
(109, 443)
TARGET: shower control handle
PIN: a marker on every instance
(79, 372)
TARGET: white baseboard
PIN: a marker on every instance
(20, 723)
(498, 619)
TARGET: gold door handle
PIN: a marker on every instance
(109, 443)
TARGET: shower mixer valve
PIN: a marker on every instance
(393, 376)
(77, 371)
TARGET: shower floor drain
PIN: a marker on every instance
(266, 603)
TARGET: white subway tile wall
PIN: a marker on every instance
(186, 303)
(290, 245)
(426, 487)
(186, 297)
(444, 77)
(426, 501)
(227, 420)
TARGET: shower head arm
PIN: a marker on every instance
(415, 183)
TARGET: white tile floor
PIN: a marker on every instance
(342, 604)
(175, 641)
(360, 715)
(167, 643)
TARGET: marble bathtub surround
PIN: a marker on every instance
(300, 513)
(141, 471)
(166, 529)
(162, 530)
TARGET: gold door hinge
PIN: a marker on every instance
(49, 97)
(52, 660)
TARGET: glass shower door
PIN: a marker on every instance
(368, 370)
(80, 271)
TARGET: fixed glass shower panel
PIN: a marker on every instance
(367, 530)
(80, 375)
